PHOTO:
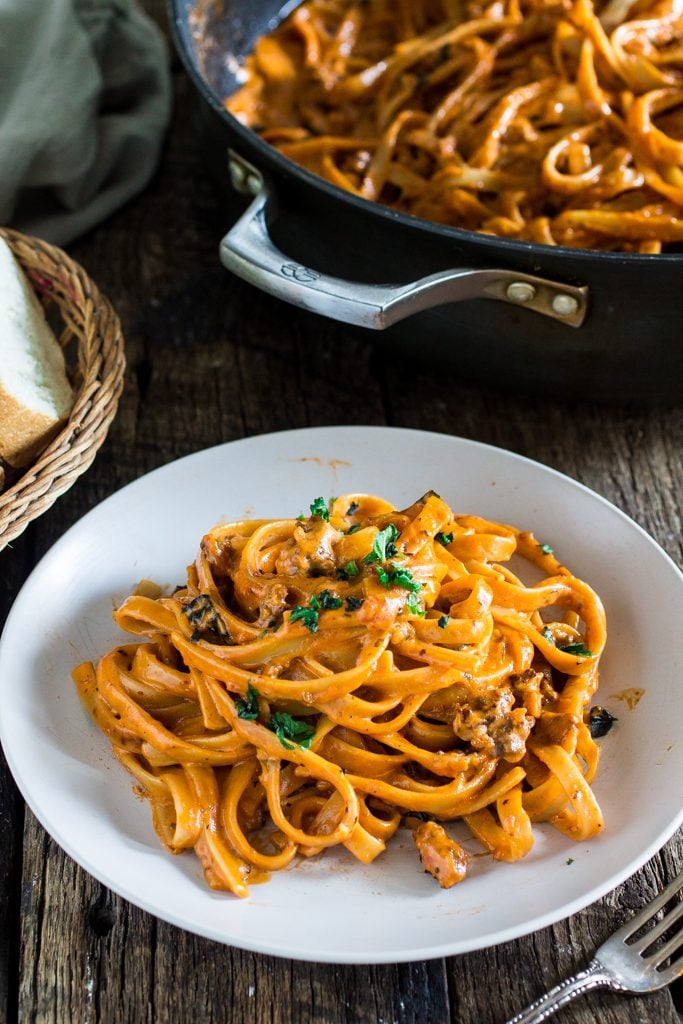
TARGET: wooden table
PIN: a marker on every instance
(211, 360)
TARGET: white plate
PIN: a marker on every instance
(334, 909)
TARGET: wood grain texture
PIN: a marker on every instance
(211, 360)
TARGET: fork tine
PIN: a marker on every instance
(653, 934)
(667, 949)
(670, 973)
(634, 923)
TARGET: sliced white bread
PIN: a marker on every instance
(35, 394)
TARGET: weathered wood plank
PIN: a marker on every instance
(11, 814)
(256, 989)
(85, 954)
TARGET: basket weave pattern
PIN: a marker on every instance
(91, 327)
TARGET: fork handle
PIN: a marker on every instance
(593, 976)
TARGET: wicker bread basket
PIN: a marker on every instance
(90, 334)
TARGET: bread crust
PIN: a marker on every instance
(24, 432)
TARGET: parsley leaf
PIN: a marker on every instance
(396, 576)
(403, 578)
(546, 549)
(247, 707)
(383, 546)
(443, 622)
(353, 529)
(414, 605)
(353, 603)
(307, 615)
(444, 538)
(579, 649)
(320, 510)
(287, 728)
(349, 571)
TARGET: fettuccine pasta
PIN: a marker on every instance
(552, 121)
(324, 680)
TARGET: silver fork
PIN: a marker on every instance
(622, 962)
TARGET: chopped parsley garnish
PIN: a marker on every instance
(600, 721)
(300, 518)
(349, 571)
(569, 860)
(414, 604)
(353, 603)
(287, 728)
(383, 576)
(307, 615)
(247, 707)
(403, 578)
(353, 529)
(383, 545)
(444, 538)
(353, 508)
(396, 576)
(320, 509)
(546, 549)
(282, 724)
(578, 649)
(443, 622)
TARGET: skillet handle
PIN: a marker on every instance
(248, 251)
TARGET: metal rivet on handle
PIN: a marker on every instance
(237, 174)
(520, 291)
(252, 184)
(564, 305)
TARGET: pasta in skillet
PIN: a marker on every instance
(552, 121)
(324, 680)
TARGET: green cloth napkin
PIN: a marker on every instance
(84, 102)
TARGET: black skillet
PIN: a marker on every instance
(520, 316)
